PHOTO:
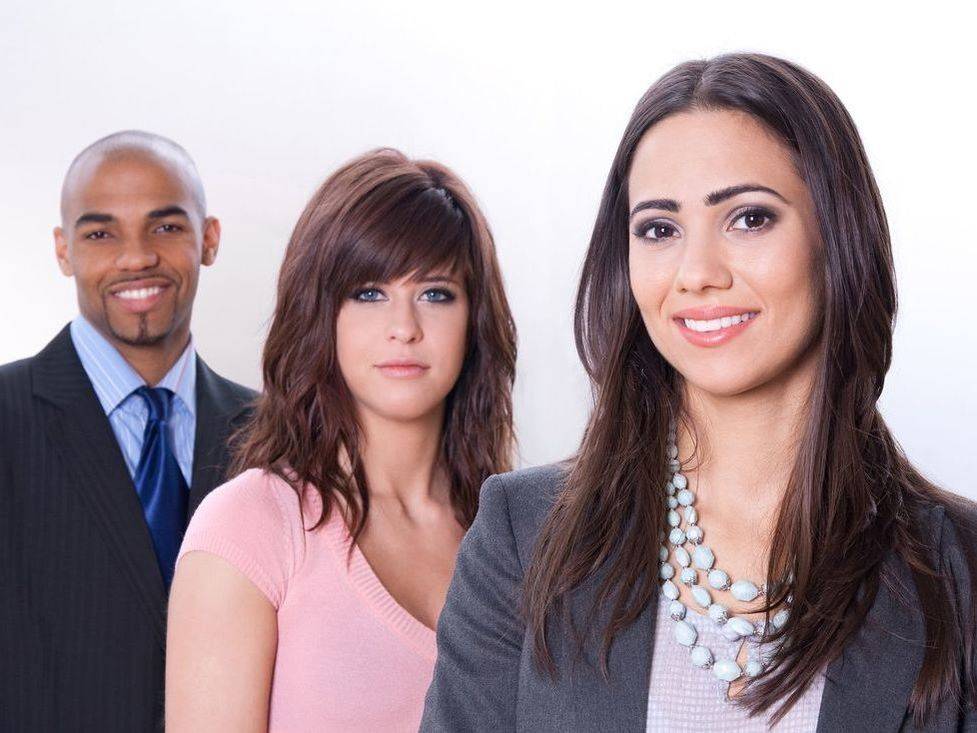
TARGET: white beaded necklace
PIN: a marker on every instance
(702, 558)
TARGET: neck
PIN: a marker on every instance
(401, 458)
(154, 361)
(745, 445)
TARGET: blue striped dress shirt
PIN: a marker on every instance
(115, 380)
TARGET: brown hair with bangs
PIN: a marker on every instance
(378, 218)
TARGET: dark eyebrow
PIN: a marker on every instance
(717, 197)
(167, 211)
(94, 218)
(666, 204)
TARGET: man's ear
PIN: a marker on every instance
(212, 240)
(61, 252)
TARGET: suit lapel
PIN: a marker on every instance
(868, 687)
(79, 429)
(216, 411)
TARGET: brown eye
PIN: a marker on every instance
(753, 220)
(656, 230)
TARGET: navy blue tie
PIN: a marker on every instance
(160, 483)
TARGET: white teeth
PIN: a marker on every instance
(139, 294)
(716, 324)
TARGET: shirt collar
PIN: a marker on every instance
(113, 377)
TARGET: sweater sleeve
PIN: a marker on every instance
(254, 523)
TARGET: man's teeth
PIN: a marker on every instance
(139, 294)
(717, 323)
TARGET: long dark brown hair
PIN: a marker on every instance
(378, 218)
(852, 499)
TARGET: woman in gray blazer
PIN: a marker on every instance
(739, 542)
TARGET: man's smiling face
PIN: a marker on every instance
(133, 236)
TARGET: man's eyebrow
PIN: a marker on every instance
(717, 197)
(93, 217)
(167, 211)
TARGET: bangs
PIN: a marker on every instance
(416, 233)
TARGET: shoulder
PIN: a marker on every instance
(231, 397)
(15, 396)
(15, 377)
(256, 495)
(947, 521)
(254, 521)
(947, 526)
(523, 499)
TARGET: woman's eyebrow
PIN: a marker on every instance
(722, 194)
(716, 197)
(664, 204)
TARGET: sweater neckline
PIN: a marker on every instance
(374, 593)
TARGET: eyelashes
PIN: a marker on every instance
(755, 219)
(375, 295)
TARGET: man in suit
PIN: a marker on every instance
(109, 439)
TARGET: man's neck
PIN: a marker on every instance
(153, 362)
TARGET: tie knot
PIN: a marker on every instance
(159, 400)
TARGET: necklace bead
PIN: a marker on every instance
(703, 557)
(685, 633)
(701, 657)
(719, 579)
(718, 613)
(701, 596)
(681, 556)
(727, 669)
(744, 590)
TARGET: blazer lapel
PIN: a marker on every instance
(216, 412)
(619, 702)
(868, 687)
(80, 430)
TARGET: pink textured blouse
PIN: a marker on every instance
(349, 658)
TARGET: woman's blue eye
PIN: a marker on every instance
(368, 295)
(438, 295)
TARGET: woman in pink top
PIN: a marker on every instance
(309, 586)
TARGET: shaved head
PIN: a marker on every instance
(134, 233)
(135, 143)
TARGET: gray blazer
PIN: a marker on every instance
(485, 679)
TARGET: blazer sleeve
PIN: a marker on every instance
(480, 630)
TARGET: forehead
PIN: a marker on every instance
(690, 154)
(126, 185)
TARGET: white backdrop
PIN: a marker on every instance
(527, 102)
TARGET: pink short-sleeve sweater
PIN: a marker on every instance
(349, 658)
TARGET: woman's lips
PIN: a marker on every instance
(397, 369)
(713, 326)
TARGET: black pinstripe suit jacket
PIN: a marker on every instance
(82, 603)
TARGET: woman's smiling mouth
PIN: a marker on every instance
(713, 325)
